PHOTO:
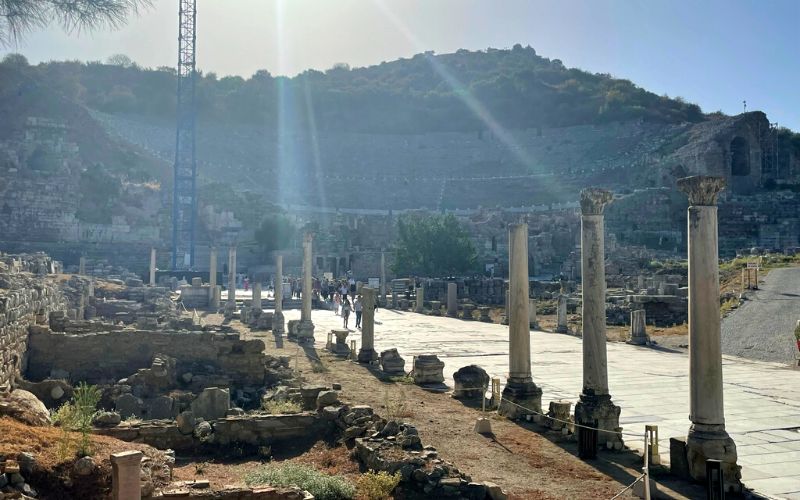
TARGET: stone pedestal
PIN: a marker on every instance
(466, 311)
(392, 363)
(152, 267)
(532, 322)
(277, 319)
(470, 382)
(305, 329)
(428, 370)
(638, 328)
(419, 304)
(520, 396)
(561, 415)
(561, 313)
(707, 437)
(340, 348)
(595, 405)
(452, 300)
(126, 475)
(367, 352)
(436, 308)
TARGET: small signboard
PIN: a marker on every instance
(328, 276)
(374, 283)
(752, 265)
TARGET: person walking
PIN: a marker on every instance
(345, 310)
(337, 302)
(358, 306)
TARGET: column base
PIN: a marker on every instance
(368, 356)
(712, 441)
(561, 329)
(600, 409)
(278, 327)
(305, 332)
(523, 393)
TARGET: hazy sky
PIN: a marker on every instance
(715, 53)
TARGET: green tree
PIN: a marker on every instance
(433, 245)
(275, 233)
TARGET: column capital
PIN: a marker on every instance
(594, 200)
(702, 189)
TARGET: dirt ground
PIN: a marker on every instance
(526, 461)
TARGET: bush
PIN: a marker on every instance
(77, 416)
(281, 407)
(377, 485)
(319, 484)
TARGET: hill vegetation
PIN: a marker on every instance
(463, 91)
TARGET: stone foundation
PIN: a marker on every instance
(601, 412)
(520, 399)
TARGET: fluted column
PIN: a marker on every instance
(595, 405)
(232, 277)
(520, 395)
(383, 279)
(367, 352)
(707, 435)
(278, 321)
(305, 329)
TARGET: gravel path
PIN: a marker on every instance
(763, 327)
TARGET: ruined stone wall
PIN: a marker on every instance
(110, 356)
(24, 300)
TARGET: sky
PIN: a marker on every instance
(711, 52)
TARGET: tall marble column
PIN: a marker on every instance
(305, 329)
(383, 279)
(232, 278)
(595, 403)
(82, 266)
(278, 321)
(561, 313)
(152, 267)
(532, 323)
(452, 300)
(707, 435)
(367, 352)
(256, 303)
(212, 267)
(520, 393)
(420, 302)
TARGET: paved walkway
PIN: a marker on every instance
(763, 328)
(762, 400)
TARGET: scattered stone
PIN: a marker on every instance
(327, 398)
(494, 491)
(428, 369)
(128, 405)
(27, 462)
(392, 363)
(107, 419)
(213, 403)
(336, 387)
(471, 382)
(185, 421)
(235, 412)
(83, 466)
(25, 407)
(203, 430)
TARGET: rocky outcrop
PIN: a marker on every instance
(25, 407)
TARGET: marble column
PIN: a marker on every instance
(532, 322)
(256, 303)
(367, 352)
(82, 266)
(212, 267)
(452, 300)
(278, 321)
(638, 327)
(595, 405)
(383, 279)
(707, 437)
(152, 267)
(125, 475)
(305, 329)
(232, 278)
(561, 312)
(520, 395)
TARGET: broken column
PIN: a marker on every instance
(256, 303)
(277, 318)
(125, 475)
(367, 352)
(520, 396)
(638, 328)
(452, 300)
(232, 278)
(707, 437)
(595, 407)
(152, 267)
(561, 311)
(418, 307)
(305, 329)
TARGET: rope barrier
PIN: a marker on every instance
(641, 476)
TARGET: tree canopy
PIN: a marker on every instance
(276, 232)
(18, 17)
(433, 245)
